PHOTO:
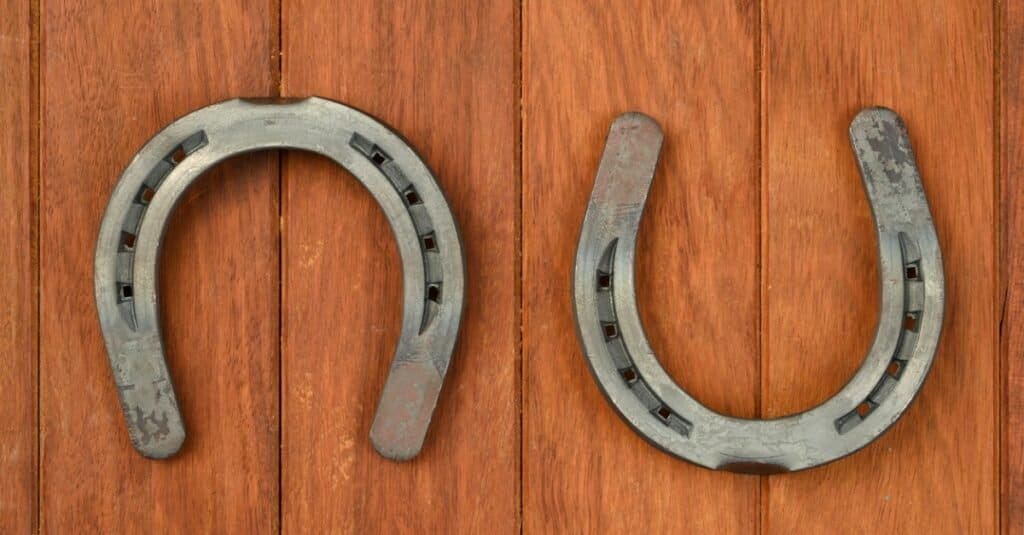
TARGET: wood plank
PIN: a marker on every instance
(114, 74)
(443, 74)
(936, 470)
(18, 325)
(1011, 323)
(690, 65)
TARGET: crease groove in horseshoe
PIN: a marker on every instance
(128, 249)
(634, 382)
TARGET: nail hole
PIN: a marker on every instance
(863, 409)
(610, 331)
(911, 272)
(664, 412)
(127, 292)
(910, 322)
(894, 368)
(629, 374)
(434, 293)
(604, 281)
(146, 195)
(429, 243)
(378, 158)
(128, 240)
(178, 155)
(411, 197)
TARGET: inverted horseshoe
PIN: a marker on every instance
(628, 372)
(128, 249)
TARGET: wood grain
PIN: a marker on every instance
(935, 471)
(18, 325)
(756, 171)
(443, 74)
(114, 74)
(1011, 323)
(690, 65)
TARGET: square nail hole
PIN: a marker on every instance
(378, 158)
(910, 322)
(610, 330)
(911, 272)
(604, 281)
(411, 197)
(629, 375)
(127, 241)
(434, 293)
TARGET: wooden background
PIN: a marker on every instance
(758, 279)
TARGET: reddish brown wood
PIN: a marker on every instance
(443, 74)
(936, 470)
(18, 325)
(115, 73)
(690, 65)
(1011, 323)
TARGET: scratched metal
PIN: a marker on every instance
(628, 372)
(128, 249)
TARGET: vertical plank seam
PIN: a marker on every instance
(277, 70)
(35, 229)
(518, 52)
(759, 88)
(1000, 301)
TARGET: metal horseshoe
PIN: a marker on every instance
(128, 249)
(628, 372)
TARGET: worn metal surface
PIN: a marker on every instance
(128, 250)
(632, 379)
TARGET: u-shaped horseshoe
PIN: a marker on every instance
(627, 370)
(128, 249)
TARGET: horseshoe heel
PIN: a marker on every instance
(628, 372)
(128, 250)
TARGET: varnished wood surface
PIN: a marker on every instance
(113, 74)
(935, 471)
(691, 66)
(18, 318)
(280, 282)
(1011, 158)
(443, 75)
